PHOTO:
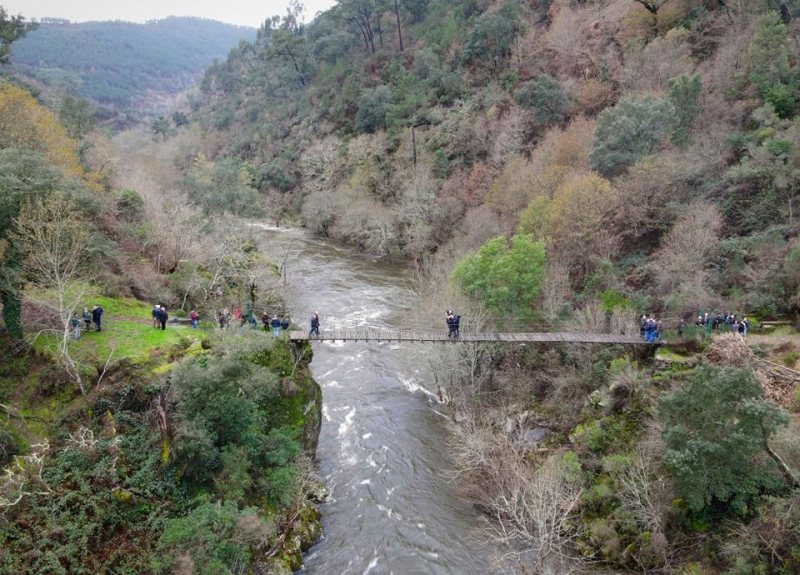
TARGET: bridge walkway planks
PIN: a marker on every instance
(411, 336)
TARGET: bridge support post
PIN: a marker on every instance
(645, 354)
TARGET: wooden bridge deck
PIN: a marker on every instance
(354, 335)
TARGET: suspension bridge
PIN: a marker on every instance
(427, 336)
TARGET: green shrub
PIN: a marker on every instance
(629, 131)
(715, 429)
(372, 109)
(506, 277)
(207, 539)
(545, 98)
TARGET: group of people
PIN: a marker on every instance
(453, 323)
(651, 329)
(89, 317)
(277, 323)
(713, 323)
(160, 317)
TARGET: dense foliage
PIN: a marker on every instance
(495, 117)
(118, 63)
(715, 429)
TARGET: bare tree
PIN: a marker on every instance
(680, 263)
(24, 477)
(55, 243)
(555, 290)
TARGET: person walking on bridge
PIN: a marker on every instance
(194, 317)
(276, 327)
(314, 325)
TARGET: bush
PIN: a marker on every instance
(208, 541)
(372, 108)
(715, 429)
(629, 131)
(545, 98)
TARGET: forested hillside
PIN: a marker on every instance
(125, 448)
(651, 145)
(123, 64)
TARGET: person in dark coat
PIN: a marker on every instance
(453, 323)
(265, 320)
(156, 313)
(163, 317)
(285, 324)
(87, 318)
(314, 325)
(97, 317)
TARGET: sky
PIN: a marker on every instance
(242, 12)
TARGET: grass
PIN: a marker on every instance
(127, 331)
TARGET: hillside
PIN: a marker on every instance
(114, 457)
(609, 134)
(123, 64)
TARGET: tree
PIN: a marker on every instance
(225, 186)
(577, 221)
(504, 275)
(545, 97)
(161, 126)
(54, 242)
(24, 175)
(771, 69)
(77, 117)
(492, 37)
(769, 53)
(179, 118)
(685, 92)
(629, 131)
(12, 28)
(25, 123)
(652, 6)
(372, 108)
(715, 429)
(680, 265)
(360, 13)
(416, 8)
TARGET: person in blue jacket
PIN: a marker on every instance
(314, 325)
(276, 326)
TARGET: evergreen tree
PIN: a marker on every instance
(715, 428)
(629, 131)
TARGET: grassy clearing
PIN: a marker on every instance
(127, 331)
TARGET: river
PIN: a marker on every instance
(382, 447)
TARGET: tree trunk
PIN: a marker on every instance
(784, 469)
(399, 31)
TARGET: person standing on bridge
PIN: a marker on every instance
(453, 323)
(276, 326)
(314, 325)
(194, 317)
